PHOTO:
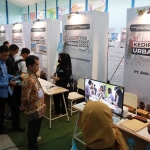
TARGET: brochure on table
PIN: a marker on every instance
(5, 34)
(116, 65)
(21, 34)
(44, 43)
(87, 48)
(137, 62)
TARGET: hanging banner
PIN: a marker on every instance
(137, 62)
(39, 43)
(17, 35)
(98, 5)
(63, 10)
(116, 65)
(78, 7)
(51, 13)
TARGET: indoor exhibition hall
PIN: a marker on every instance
(74, 74)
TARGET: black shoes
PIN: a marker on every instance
(18, 128)
(5, 131)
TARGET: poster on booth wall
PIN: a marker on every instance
(137, 60)
(123, 39)
(2, 35)
(113, 40)
(32, 16)
(98, 5)
(78, 7)
(116, 65)
(63, 10)
(17, 35)
(79, 44)
(39, 43)
(51, 13)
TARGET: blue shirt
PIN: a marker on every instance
(4, 80)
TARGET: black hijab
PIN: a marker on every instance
(65, 59)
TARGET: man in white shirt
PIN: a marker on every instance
(19, 60)
(110, 94)
(20, 66)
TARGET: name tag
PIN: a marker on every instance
(40, 93)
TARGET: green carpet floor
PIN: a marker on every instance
(59, 137)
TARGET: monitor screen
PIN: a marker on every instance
(111, 95)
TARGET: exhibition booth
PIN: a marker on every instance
(114, 63)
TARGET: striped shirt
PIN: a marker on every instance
(33, 93)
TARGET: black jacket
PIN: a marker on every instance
(63, 72)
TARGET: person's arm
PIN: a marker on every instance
(25, 94)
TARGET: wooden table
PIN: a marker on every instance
(52, 91)
(141, 138)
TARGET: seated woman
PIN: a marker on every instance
(96, 123)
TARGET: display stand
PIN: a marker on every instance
(6, 33)
(44, 42)
(86, 38)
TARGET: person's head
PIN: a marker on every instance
(96, 124)
(148, 107)
(25, 52)
(142, 105)
(119, 92)
(101, 88)
(4, 53)
(90, 82)
(64, 58)
(13, 49)
(32, 63)
(109, 90)
(6, 43)
(116, 88)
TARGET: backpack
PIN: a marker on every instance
(16, 66)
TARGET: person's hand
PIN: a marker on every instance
(21, 108)
(55, 78)
(12, 83)
(52, 76)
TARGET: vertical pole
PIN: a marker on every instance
(69, 6)
(45, 9)
(28, 14)
(7, 19)
(86, 5)
(132, 3)
(56, 9)
(106, 7)
(36, 9)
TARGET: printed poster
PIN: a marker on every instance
(98, 5)
(116, 65)
(51, 13)
(17, 35)
(2, 35)
(137, 60)
(79, 44)
(78, 7)
(63, 10)
(32, 16)
(39, 43)
(41, 14)
(123, 40)
(113, 40)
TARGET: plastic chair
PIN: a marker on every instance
(73, 96)
(131, 100)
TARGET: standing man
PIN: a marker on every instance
(32, 101)
(6, 94)
(110, 94)
(6, 43)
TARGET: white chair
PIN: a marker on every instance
(131, 100)
(73, 96)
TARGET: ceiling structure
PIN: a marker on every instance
(23, 3)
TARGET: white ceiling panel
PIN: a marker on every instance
(23, 3)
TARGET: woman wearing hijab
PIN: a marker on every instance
(62, 79)
(96, 122)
